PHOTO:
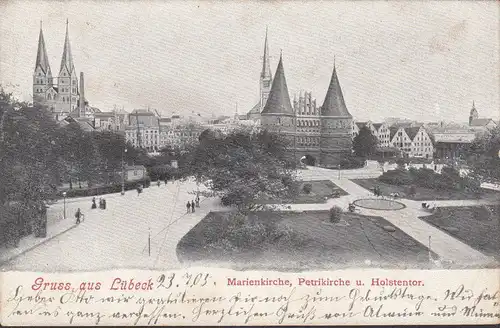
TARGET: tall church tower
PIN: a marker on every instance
(473, 115)
(266, 78)
(336, 123)
(42, 76)
(67, 80)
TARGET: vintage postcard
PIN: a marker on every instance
(249, 163)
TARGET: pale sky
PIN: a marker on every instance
(425, 61)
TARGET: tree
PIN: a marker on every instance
(365, 143)
(243, 168)
(483, 157)
(29, 166)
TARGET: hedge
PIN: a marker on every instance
(109, 189)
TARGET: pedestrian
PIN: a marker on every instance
(103, 204)
(192, 206)
(188, 207)
(94, 206)
(78, 216)
(166, 180)
(100, 203)
(197, 201)
(158, 182)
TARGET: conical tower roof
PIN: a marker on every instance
(67, 57)
(279, 99)
(266, 66)
(42, 60)
(334, 104)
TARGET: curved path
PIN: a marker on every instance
(407, 219)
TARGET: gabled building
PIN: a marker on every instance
(412, 141)
(379, 130)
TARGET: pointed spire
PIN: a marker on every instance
(67, 57)
(473, 105)
(334, 104)
(42, 60)
(266, 66)
(279, 99)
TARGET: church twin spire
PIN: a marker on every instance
(67, 57)
(42, 59)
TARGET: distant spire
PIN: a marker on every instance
(334, 62)
(279, 99)
(67, 57)
(473, 105)
(334, 104)
(266, 66)
(42, 60)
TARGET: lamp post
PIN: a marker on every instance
(123, 171)
(339, 170)
(64, 211)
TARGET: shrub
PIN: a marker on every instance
(412, 191)
(396, 177)
(240, 233)
(401, 162)
(307, 188)
(335, 214)
(352, 162)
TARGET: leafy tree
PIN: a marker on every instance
(29, 166)
(365, 143)
(243, 168)
(483, 157)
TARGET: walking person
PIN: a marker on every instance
(94, 206)
(197, 201)
(103, 204)
(192, 206)
(78, 216)
(158, 182)
(188, 207)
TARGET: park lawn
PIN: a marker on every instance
(421, 193)
(472, 225)
(321, 191)
(310, 242)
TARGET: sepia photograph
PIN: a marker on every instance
(280, 136)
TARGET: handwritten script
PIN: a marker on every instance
(225, 297)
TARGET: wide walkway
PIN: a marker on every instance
(118, 236)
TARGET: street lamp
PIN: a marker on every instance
(123, 171)
(64, 197)
(339, 171)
